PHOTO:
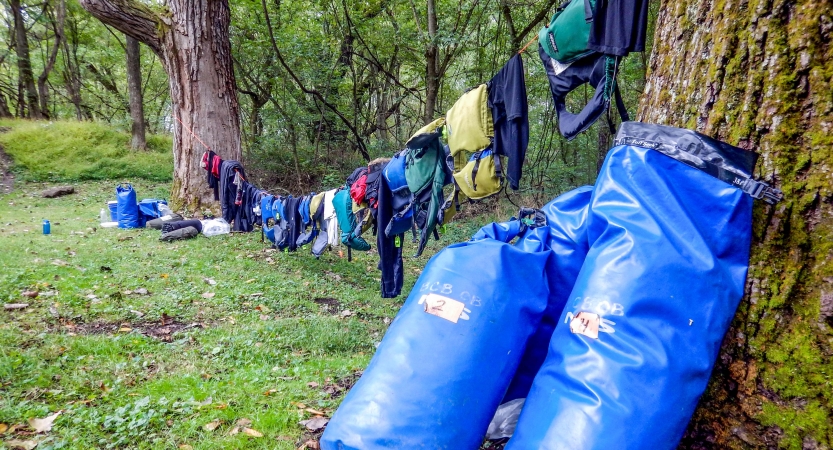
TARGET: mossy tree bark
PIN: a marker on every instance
(757, 74)
(191, 37)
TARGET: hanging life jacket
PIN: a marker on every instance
(427, 171)
(598, 70)
(565, 38)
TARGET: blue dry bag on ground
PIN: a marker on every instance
(127, 208)
(669, 231)
(449, 355)
(149, 209)
(565, 235)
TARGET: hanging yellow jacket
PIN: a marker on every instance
(469, 122)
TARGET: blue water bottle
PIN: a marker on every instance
(46, 227)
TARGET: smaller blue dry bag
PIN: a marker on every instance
(127, 208)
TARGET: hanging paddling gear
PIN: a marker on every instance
(449, 355)
(669, 228)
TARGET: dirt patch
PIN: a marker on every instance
(328, 305)
(6, 175)
(163, 330)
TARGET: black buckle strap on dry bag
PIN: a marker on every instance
(725, 162)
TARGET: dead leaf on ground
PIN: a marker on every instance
(263, 308)
(18, 444)
(59, 263)
(208, 295)
(210, 281)
(125, 329)
(3, 428)
(211, 426)
(252, 432)
(244, 422)
(185, 447)
(312, 384)
(267, 393)
(45, 424)
(256, 294)
(251, 280)
(125, 238)
(346, 313)
(141, 291)
(310, 445)
(315, 424)
(30, 294)
(315, 411)
(233, 431)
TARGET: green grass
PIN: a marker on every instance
(64, 151)
(103, 357)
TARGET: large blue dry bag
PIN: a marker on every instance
(669, 236)
(565, 235)
(127, 208)
(450, 353)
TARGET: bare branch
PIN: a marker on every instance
(131, 18)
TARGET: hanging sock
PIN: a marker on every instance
(669, 248)
(446, 360)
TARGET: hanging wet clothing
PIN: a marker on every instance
(619, 27)
(211, 163)
(507, 100)
(389, 247)
(230, 172)
(331, 220)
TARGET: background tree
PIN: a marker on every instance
(758, 75)
(134, 92)
(191, 37)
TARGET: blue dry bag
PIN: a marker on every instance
(669, 236)
(127, 208)
(446, 360)
(565, 235)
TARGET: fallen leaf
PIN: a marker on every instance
(315, 424)
(125, 238)
(252, 432)
(125, 329)
(207, 295)
(142, 291)
(244, 422)
(312, 384)
(164, 275)
(310, 445)
(25, 445)
(314, 411)
(210, 281)
(185, 447)
(127, 292)
(346, 313)
(45, 424)
(211, 426)
(256, 294)
(264, 317)
(92, 297)
(233, 431)
(301, 405)
(30, 294)
(59, 263)
(267, 393)
(3, 428)
(263, 308)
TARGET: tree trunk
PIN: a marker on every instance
(192, 40)
(24, 63)
(134, 93)
(43, 78)
(432, 55)
(758, 75)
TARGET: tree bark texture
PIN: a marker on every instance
(43, 78)
(192, 40)
(24, 63)
(757, 74)
(134, 93)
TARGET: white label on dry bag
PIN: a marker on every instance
(586, 323)
(443, 307)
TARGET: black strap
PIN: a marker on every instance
(349, 254)
(588, 11)
(620, 104)
(475, 169)
(756, 189)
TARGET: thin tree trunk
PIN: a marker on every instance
(58, 27)
(757, 76)
(134, 92)
(192, 40)
(24, 63)
(432, 77)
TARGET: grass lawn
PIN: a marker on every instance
(227, 332)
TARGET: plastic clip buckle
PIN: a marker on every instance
(762, 191)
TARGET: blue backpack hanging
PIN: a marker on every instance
(402, 198)
(669, 228)
(127, 208)
(445, 362)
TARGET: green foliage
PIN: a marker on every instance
(76, 151)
